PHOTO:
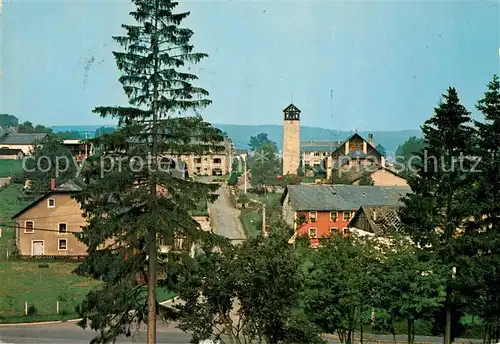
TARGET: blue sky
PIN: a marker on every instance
(368, 65)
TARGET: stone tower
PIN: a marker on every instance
(291, 140)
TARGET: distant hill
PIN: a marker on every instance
(240, 134)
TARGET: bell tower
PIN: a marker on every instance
(291, 139)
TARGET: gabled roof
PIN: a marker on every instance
(291, 108)
(380, 168)
(70, 186)
(21, 139)
(341, 197)
(382, 219)
(359, 136)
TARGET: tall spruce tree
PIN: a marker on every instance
(482, 271)
(134, 200)
(438, 205)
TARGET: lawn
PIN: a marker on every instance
(26, 282)
(10, 205)
(9, 167)
(251, 221)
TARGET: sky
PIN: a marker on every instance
(347, 65)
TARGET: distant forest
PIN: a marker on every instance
(12, 123)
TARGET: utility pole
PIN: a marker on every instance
(245, 173)
(264, 231)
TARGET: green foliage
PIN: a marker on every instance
(480, 274)
(233, 179)
(28, 128)
(71, 135)
(381, 149)
(409, 288)
(254, 294)
(290, 179)
(300, 170)
(341, 177)
(264, 165)
(366, 179)
(50, 160)
(256, 142)
(407, 155)
(8, 121)
(441, 187)
(104, 130)
(138, 206)
(340, 277)
(32, 310)
(8, 168)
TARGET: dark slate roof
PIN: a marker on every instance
(8, 151)
(21, 139)
(319, 145)
(342, 197)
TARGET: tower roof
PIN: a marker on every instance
(291, 108)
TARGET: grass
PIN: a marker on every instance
(26, 282)
(251, 221)
(308, 180)
(9, 167)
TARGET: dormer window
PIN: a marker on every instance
(51, 203)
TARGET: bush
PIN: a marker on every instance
(233, 179)
(32, 310)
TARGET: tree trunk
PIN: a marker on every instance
(408, 321)
(361, 332)
(447, 307)
(153, 249)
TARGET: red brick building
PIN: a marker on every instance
(321, 210)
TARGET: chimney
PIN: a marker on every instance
(52, 184)
(370, 140)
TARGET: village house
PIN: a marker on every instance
(78, 149)
(322, 210)
(356, 157)
(213, 164)
(11, 154)
(315, 151)
(24, 142)
(377, 219)
(47, 226)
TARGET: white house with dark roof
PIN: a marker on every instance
(24, 142)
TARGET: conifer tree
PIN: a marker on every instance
(438, 205)
(481, 285)
(136, 199)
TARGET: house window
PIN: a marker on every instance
(29, 227)
(217, 160)
(347, 216)
(333, 216)
(197, 160)
(346, 231)
(334, 231)
(313, 232)
(316, 153)
(63, 228)
(313, 216)
(62, 244)
(51, 203)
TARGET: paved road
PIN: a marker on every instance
(69, 333)
(225, 218)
